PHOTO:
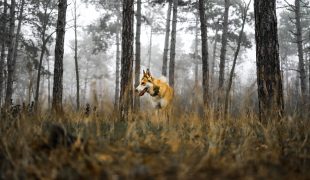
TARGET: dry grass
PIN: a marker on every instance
(98, 146)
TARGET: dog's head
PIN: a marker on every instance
(146, 83)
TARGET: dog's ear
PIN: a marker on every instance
(144, 74)
(148, 72)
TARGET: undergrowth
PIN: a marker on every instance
(97, 145)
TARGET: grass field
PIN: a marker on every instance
(99, 146)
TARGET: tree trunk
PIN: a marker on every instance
(76, 61)
(269, 82)
(10, 63)
(42, 84)
(301, 64)
(309, 83)
(244, 10)
(126, 93)
(36, 99)
(166, 48)
(173, 42)
(223, 53)
(308, 98)
(30, 87)
(59, 51)
(3, 46)
(138, 54)
(116, 96)
(205, 53)
(48, 84)
(1, 70)
(196, 52)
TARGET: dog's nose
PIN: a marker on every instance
(136, 90)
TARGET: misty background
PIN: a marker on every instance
(97, 52)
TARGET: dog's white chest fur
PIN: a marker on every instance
(158, 102)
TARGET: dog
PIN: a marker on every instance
(159, 90)
(161, 95)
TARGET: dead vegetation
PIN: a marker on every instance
(96, 145)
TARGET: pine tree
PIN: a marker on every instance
(10, 63)
(205, 53)
(173, 42)
(126, 93)
(223, 53)
(3, 47)
(59, 51)
(167, 34)
(269, 81)
(138, 53)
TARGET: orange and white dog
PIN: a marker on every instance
(159, 90)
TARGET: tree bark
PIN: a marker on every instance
(173, 42)
(167, 34)
(126, 93)
(118, 59)
(76, 60)
(223, 53)
(116, 96)
(48, 84)
(10, 63)
(30, 87)
(205, 53)
(244, 10)
(36, 99)
(3, 46)
(309, 83)
(1, 70)
(196, 52)
(138, 54)
(301, 64)
(269, 82)
(59, 51)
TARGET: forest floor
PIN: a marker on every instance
(77, 146)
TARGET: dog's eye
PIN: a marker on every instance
(143, 83)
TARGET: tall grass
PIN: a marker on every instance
(97, 145)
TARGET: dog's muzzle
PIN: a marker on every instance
(143, 91)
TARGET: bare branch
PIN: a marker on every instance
(291, 19)
(291, 69)
(293, 8)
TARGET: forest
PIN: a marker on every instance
(154, 89)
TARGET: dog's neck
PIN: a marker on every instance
(156, 91)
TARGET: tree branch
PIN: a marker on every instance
(293, 8)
